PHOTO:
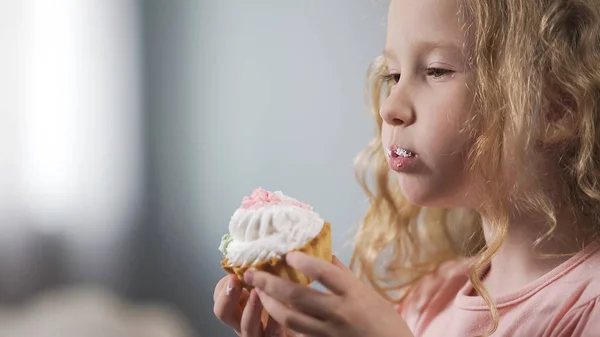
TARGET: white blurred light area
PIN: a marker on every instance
(79, 124)
(73, 155)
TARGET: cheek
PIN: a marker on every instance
(443, 146)
(443, 132)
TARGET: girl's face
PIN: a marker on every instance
(429, 103)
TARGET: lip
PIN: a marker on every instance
(401, 159)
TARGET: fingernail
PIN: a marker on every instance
(289, 258)
(249, 276)
(229, 288)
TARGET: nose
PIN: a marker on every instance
(398, 109)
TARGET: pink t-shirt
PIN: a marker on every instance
(564, 302)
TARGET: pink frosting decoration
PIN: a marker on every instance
(261, 197)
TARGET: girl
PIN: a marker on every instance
(487, 221)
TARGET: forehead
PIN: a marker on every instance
(433, 22)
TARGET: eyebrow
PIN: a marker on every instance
(428, 46)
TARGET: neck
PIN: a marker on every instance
(518, 263)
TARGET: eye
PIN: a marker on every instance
(391, 78)
(438, 72)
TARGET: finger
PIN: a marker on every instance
(304, 299)
(220, 286)
(336, 262)
(229, 282)
(333, 278)
(244, 298)
(273, 329)
(251, 324)
(227, 299)
(289, 318)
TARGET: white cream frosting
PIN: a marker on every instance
(262, 230)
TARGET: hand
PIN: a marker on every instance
(349, 309)
(242, 311)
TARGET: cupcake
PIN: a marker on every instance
(266, 227)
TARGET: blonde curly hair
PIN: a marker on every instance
(536, 76)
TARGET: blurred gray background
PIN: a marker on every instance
(136, 127)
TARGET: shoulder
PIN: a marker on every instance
(434, 291)
(579, 285)
(579, 294)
